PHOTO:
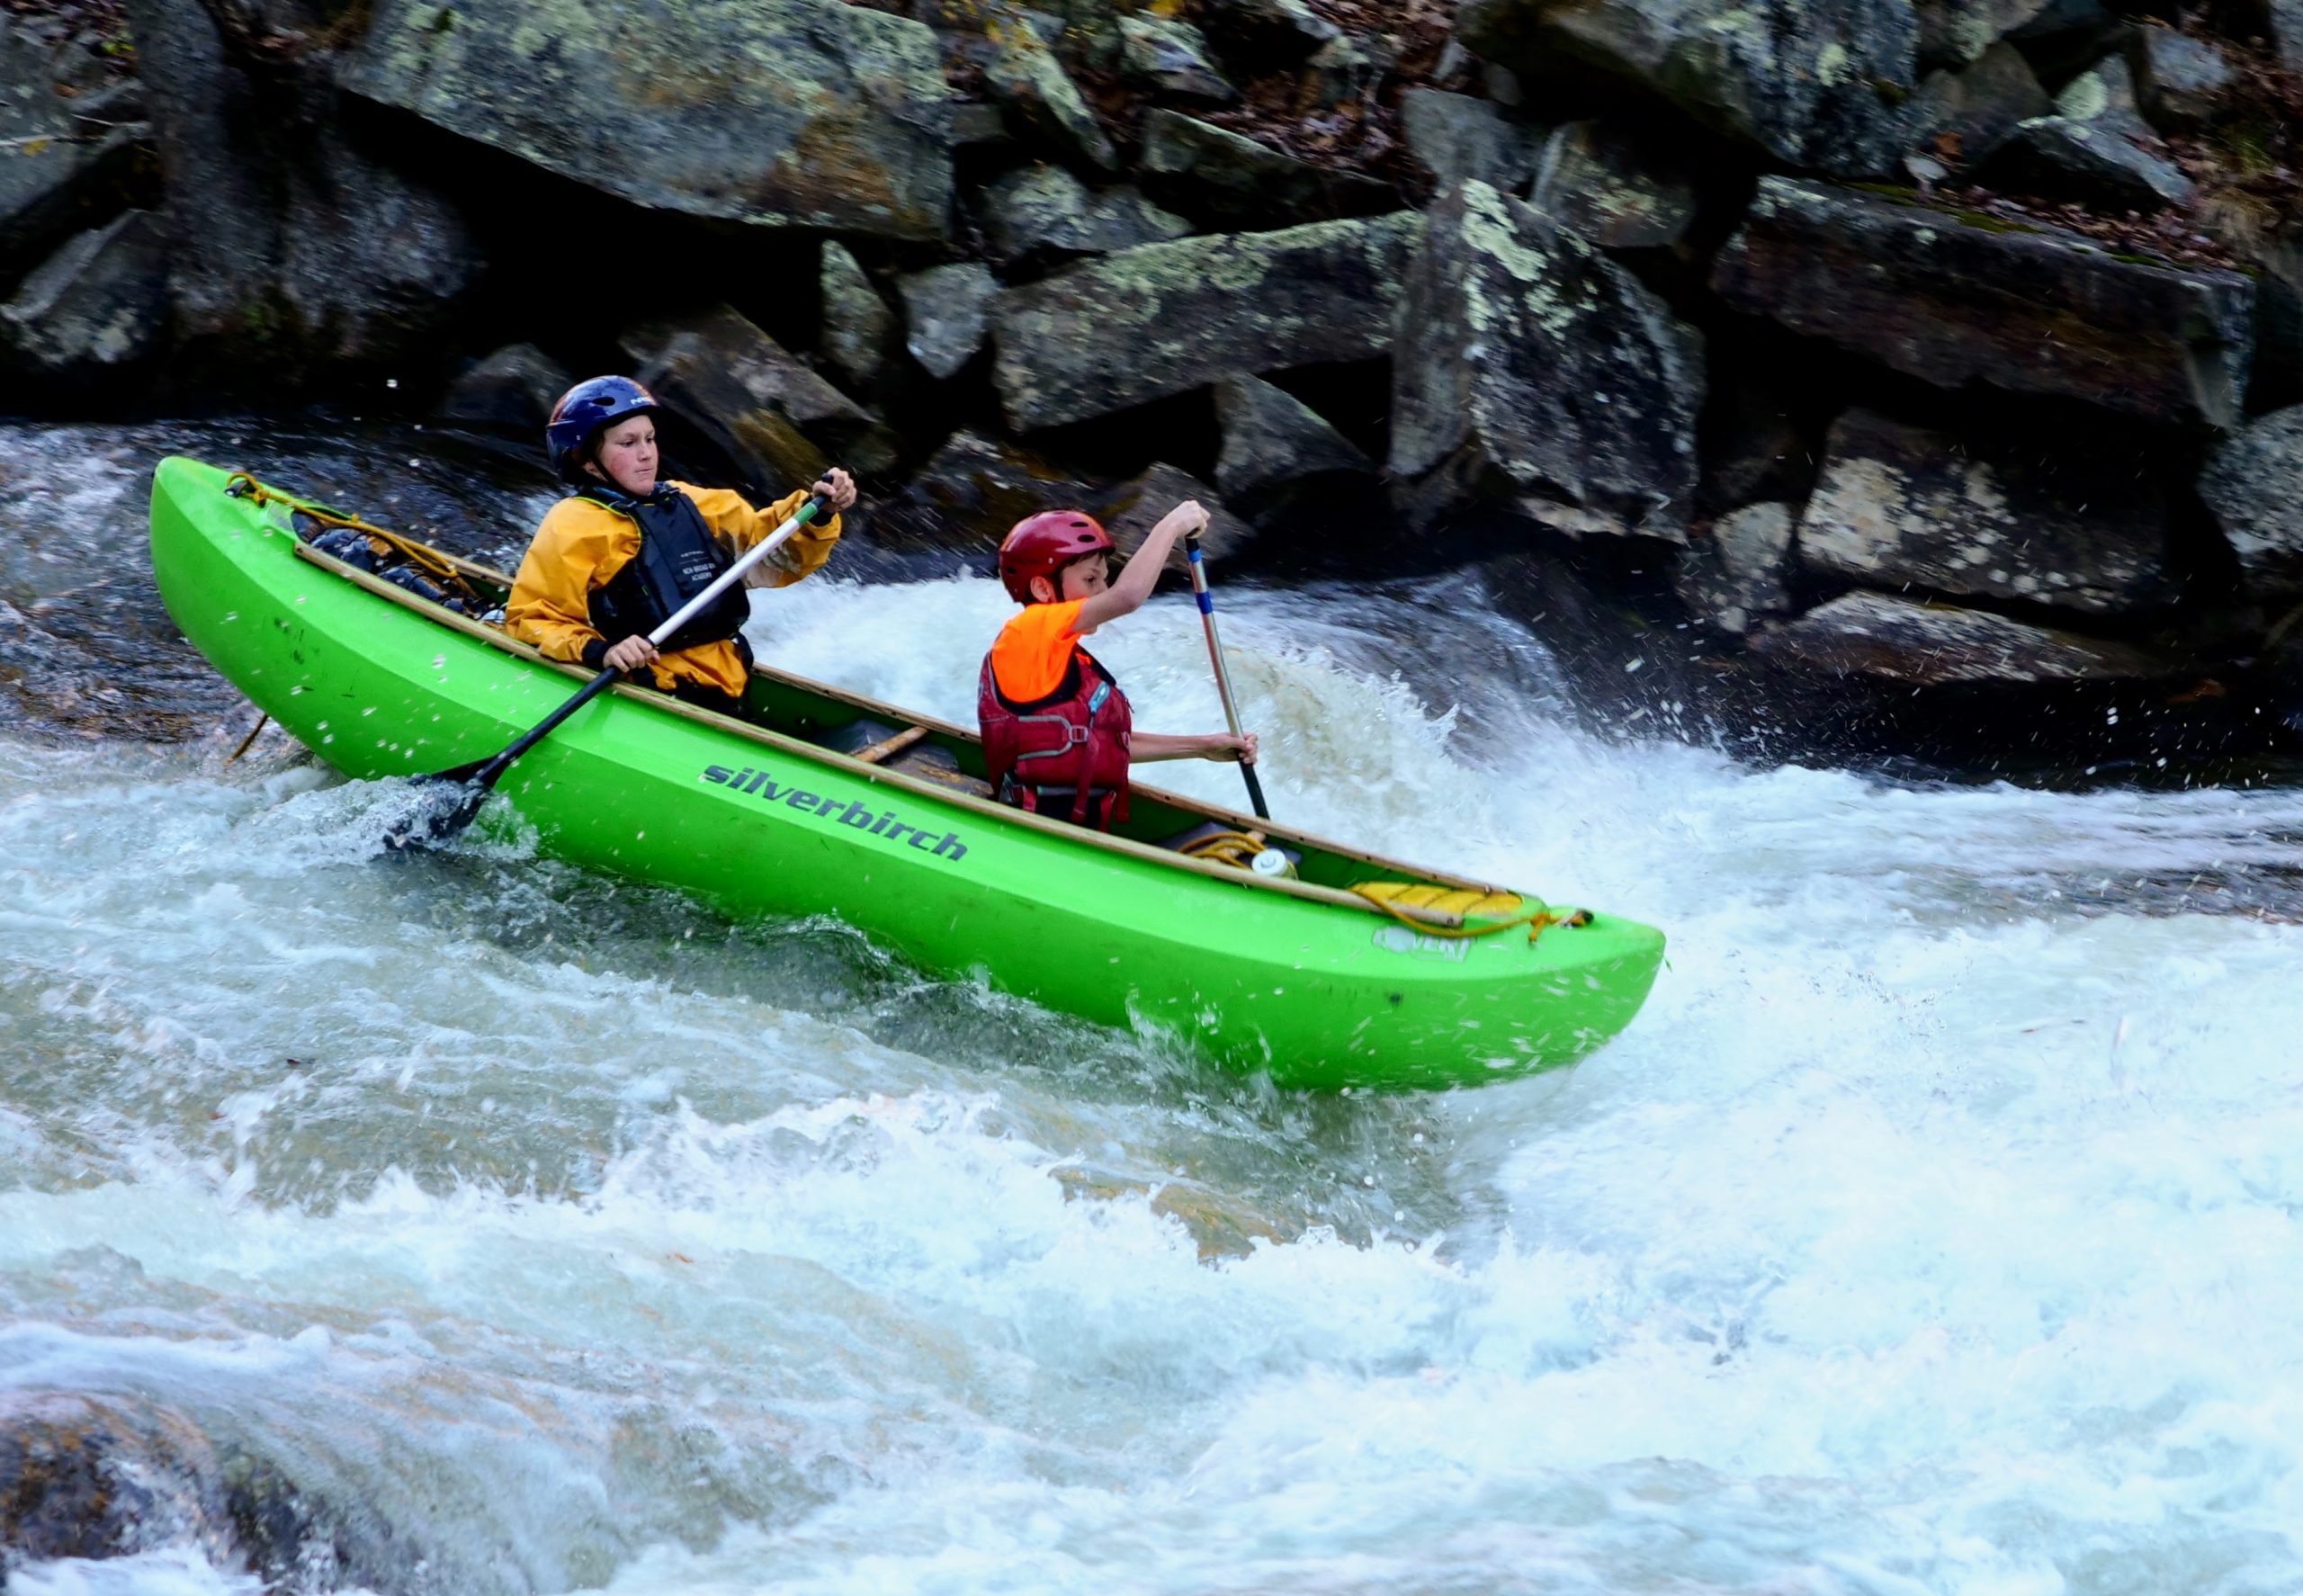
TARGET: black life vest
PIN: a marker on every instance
(1073, 744)
(678, 559)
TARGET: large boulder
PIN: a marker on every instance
(1897, 506)
(1742, 573)
(1935, 645)
(95, 308)
(2249, 486)
(1022, 73)
(969, 493)
(1136, 506)
(66, 143)
(1453, 137)
(776, 420)
(2285, 17)
(1169, 318)
(1044, 210)
(1206, 171)
(1534, 374)
(1171, 58)
(1814, 84)
(1964, 117)
(943, 315)
(2096, 149)
(860, 333)
(2028, 309)
(511, 392)
(1274, 441)
(805, 112)
(1954, 32)
(286, 244)
(1616, 188)
(2182, 81)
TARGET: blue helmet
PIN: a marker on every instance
(581, 414)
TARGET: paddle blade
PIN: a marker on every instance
(444, 803)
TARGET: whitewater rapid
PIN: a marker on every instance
(1937, 1227)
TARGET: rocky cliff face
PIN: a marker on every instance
(1857, 345)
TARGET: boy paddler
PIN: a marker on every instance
(620, 556)
(1058, 735)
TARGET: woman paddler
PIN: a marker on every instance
(623, 551)
(1058, 734)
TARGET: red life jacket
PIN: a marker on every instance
(1074, 739)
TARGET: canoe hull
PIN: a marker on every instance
(1316, 995)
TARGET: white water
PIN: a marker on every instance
(1936, 1228)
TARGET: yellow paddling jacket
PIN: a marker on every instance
(583, 544)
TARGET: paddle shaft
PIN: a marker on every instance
(1215, 656)
(486, 776)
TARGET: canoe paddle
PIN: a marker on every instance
(479, 778)
(1216, 654)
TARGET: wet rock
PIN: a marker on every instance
(1615, 189)
(2096, 149)
(512, 392)
(777, 420)
(1219, 1223)
(2249, 486)
(1169, 318)
(1955, 32)
(1453, 137)
(1022, 73)
(1965, 117)
(1206, 171)
(1136, 506)
(2182, 81)
(1171, 58)
(1534, 374)
(1043, 209)
(101, 1477)
(287, 246)
(59, 162)
(2031, 310)
(1740, 574)
(1931, 645)
(973, 489)
(860, 333)
(944, 315)
(811, 113)
(1899, 506)
(80, 1480)
(1816, 84)
(1274, 441)
(96, 307)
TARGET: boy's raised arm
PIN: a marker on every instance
(1142, 573)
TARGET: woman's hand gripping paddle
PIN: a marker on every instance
(466, 787)
(1216, 654)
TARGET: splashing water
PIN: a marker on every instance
(1933, 1230)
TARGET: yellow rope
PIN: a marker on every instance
(1395, 898)
(1235, 848)
(423, 556)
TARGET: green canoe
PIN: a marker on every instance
(1306, 978)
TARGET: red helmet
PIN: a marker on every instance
(1041, 545)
